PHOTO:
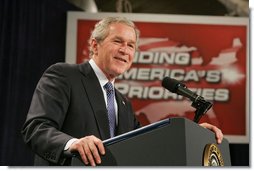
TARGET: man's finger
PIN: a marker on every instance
(89, 154)
(95, 153)
(100, 146)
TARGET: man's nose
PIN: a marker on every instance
(123, 49)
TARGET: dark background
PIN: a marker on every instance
(32, 37)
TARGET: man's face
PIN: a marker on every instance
(114, 55)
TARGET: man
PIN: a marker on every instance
(70, 105)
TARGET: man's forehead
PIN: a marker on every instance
(121, 29)
(128, 39)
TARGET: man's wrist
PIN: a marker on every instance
(69, 143)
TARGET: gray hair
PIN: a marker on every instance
(101, 30)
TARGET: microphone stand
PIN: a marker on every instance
(201, 106)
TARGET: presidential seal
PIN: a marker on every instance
(212, 156)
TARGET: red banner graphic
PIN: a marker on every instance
(210, 59)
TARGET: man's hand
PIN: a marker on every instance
(89, 148)
(217, 131)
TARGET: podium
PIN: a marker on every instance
(170, 142)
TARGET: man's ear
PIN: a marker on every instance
(94, 45)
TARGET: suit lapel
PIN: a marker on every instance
(95, 96)
(122, 114)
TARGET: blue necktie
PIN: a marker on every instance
(111, 107)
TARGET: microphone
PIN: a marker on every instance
(179, 88)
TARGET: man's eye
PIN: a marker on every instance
(117, 41)
(131, 45)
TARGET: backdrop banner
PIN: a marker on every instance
(210, 55)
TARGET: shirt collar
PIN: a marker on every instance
(100, 75)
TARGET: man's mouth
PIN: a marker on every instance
(121, 59)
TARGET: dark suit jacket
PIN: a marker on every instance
(68, 102)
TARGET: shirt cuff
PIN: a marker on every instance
(69, 143)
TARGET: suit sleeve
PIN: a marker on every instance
(46, 115)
